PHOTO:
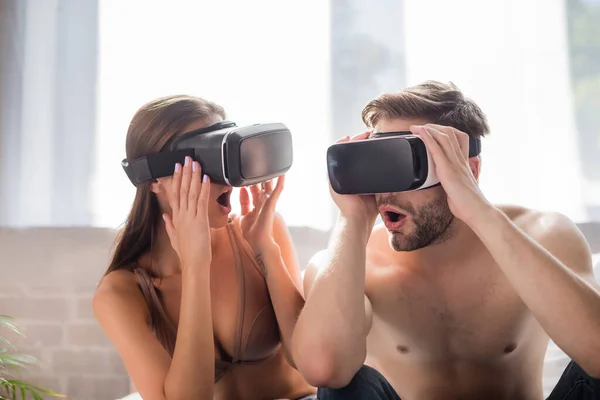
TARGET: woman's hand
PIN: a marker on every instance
(188, 226)
(257, 221)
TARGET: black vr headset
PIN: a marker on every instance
(228, 154)
(386, 162)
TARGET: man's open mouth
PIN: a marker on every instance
(392, 218)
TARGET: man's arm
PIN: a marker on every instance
(549, 266)
(329, 341)
(548, 263)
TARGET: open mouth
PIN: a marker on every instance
(392, 218)
(224, 199)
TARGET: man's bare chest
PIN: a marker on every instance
(469, 313)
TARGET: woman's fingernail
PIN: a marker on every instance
(164, 217)
(205, 179)
(194, 167)
(187, 161)
(177, 167)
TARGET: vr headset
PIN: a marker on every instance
(228, 154)
(386, 162)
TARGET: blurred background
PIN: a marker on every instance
(73, 73)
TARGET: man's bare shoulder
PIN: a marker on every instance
(379, 236)
(555, 232)
(377, 246)
(316, 261)
(541, 224)
(377, 252)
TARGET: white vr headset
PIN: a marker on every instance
(386, 162)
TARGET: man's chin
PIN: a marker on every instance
(398, 242)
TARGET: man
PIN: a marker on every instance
(452, 297)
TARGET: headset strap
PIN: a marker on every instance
(474, 143)
(155, 165)
(158, 165)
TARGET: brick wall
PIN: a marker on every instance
(47, 279)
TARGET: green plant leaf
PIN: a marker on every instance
(14, 386)
(6, 322)
(11, 389)
(7, 388)
(7, 342)
(16, 360)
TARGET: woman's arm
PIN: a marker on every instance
(268, 237)
(282, 273)
(192, 371)
(283, 239)
(123, 314)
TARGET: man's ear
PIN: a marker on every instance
(475, 164)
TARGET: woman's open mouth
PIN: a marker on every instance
(224, 201)
(392, 218)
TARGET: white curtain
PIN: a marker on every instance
(47, 111)
(511, 57)
(264, 61)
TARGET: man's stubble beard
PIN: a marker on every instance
(432, 225)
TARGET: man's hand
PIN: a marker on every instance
(449, 149)
(548, 255)
(360, 208)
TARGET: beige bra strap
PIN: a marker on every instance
(149, 291)
(162, 327)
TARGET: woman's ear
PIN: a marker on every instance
(157, 186)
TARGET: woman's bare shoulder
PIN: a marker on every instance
(121, 280)
(119, 289)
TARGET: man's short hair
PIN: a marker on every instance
(434, 102)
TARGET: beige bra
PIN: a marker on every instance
(257, 333)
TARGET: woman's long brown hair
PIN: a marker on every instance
(152, 127)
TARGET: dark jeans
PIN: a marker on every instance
(368, 384)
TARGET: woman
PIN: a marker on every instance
(201, 304)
